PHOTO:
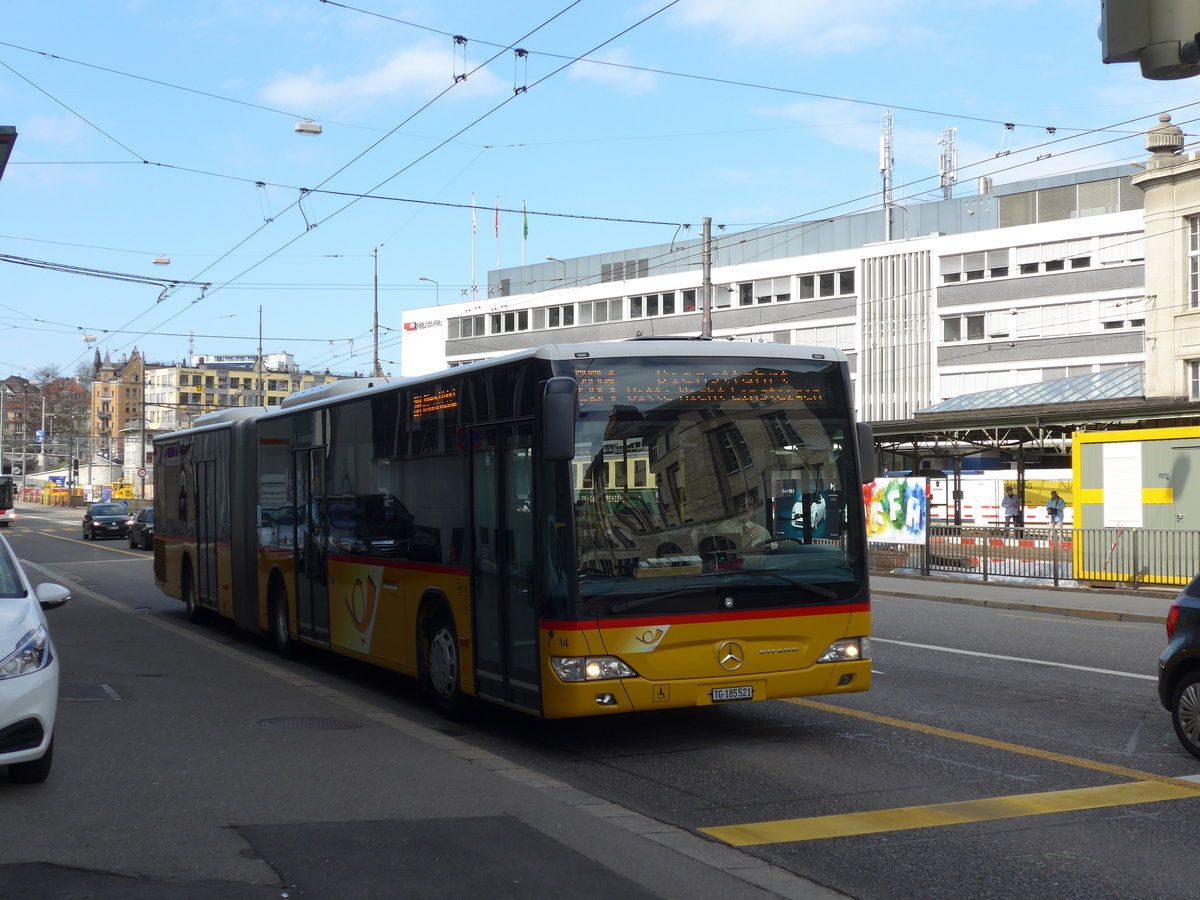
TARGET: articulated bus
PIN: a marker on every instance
(569, 530)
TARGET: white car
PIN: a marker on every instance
(28, 671)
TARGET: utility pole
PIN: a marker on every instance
(258, 365)
(376, 372)
(706, 279)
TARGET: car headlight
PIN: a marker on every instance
(590, 668)
(32, 653)
(847, 650)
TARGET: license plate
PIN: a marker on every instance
(743, 692)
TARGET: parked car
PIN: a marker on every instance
(28, 671)
(141, 528)
(1179, 667)
(105, 520)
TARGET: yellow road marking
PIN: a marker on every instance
(1094, 765)
(74, 540)
(904, 818)
(1145, 787)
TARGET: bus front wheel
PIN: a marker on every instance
(441, 669)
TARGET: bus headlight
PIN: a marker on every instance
(590, 668)
(847, 650)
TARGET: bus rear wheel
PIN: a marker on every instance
(281, 630)
(441, 667)
(194, 613)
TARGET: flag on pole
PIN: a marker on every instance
(497, 217)
(524, 222)
(472, 213)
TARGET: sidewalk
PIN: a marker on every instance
(1088, 603)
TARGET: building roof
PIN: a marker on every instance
(1123, 383)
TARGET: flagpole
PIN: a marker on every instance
(497, 231)
(524, 231)
(474, 290)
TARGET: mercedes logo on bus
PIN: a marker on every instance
(730, 655)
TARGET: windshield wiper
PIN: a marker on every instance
(822, 592)
(637, 602)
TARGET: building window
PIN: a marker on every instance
(955, 327)
(560, 316)
(1193, 262)
(1194, 380)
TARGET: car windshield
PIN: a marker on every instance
(10, 579)
(108, 509)
(696, 481)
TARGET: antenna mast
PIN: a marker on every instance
(948, 162)
(887, 168)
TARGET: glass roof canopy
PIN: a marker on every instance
(1125, 383)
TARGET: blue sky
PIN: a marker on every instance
(157, 128)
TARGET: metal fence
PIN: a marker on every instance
(1128, 557)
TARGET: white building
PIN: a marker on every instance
(1023, 283)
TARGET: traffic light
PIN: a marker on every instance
(75, 469)
(1162, 36)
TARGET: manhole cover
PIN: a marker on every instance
(310, 723)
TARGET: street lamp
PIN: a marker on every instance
(437, 288)
(564, 265)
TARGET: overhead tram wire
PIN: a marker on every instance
(423, 156)
(711, 79)
(359, 156)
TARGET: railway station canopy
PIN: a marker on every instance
(1032, 422)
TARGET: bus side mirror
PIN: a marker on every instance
(560, 399)
(866, 452)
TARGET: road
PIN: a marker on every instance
(998, 754)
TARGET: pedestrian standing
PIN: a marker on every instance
(1055, 507)
(1012, 510)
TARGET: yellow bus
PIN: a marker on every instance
(569, 530)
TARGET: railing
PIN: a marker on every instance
(1129, 557)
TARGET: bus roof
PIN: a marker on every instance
(348, 388)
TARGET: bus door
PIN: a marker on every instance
(502, 517)
(311, 543)
(207, 524)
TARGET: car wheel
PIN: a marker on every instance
(35, 771)
(1185, 712)
(132, 543)
(85, 534)
(147, 542)
(440, 669)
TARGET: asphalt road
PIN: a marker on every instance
(999, 753)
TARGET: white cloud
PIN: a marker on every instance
(418, 72)
(607, 69)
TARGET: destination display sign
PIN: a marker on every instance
(694, 384)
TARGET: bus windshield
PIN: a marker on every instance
(696, 482)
